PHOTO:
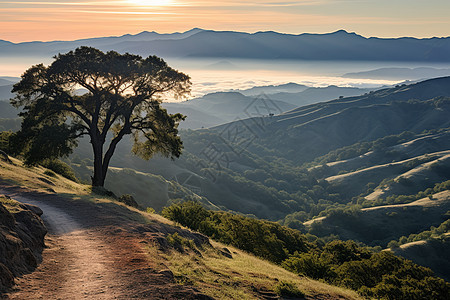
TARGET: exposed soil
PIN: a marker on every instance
(91, 254)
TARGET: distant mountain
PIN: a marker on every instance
(318, 94)
(219, 108)
(7, 80)
(5, 92)
(400, 73)
(273, 89)
(223, 107)
(197, 43)
(105, 43)
(7, 111)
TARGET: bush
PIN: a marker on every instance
(5, 144)
(128, 200)
(265, 239)
(60, 168)
(379, 275)
(288, 289)
(179, 242)
(308, 264)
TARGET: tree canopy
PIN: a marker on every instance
(101, 95)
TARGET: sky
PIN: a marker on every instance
(49, 20)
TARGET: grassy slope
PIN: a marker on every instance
(381, 224)
(210, 272)
(430, 253)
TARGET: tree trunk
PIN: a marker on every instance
(99, 176)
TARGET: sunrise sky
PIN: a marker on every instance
(67, 20)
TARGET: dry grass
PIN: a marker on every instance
(241, 276)
(34, 178)
(10, 204)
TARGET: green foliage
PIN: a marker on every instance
(128, 200)
(150, 210)
(265, 239)
(363, 147)
(60, 168)
(5, 144)
(179, 242)
(308, 264)
(123, 97)
(379, 275)
(288, 289)
(386, 276)
(393, 244)
(439, 232)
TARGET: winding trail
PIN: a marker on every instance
(91, 254)
(79, 256)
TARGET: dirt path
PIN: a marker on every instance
(92, 255)
(78, 255)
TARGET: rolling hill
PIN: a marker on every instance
(386, 147)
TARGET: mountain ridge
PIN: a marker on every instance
(197, 43)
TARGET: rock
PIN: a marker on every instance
(34, 209)
(6, 278)
(6, 219)
(22, 235)
(225, 252)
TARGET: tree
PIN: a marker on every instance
(89, 92)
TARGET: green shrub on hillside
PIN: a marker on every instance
(4, 141)
(378, 275)
(439, 232)
(288, 289)
(265, 239)
(60, 168)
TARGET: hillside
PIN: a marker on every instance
(224, 107)
(323, 161)
(219, 108)
(304, 133)
(133, 253)
(255, 166)
(401, 73)
(380, 224)
(5, 92)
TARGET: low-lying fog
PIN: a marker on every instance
(213, 75)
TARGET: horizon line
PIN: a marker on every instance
(235, 31)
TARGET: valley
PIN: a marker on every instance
(331, 182)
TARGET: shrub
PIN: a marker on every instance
(128, 200)
(60, 168)
(288, 289)
(308, 264)
(265, 239)
(150, 210)
(393, 244)
(179, 242)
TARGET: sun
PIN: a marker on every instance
(151, 2)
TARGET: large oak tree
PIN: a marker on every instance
(104, 96)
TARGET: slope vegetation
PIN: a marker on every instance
(129, 252)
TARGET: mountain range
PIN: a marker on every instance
(199, 43)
